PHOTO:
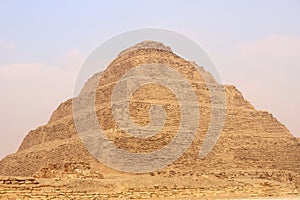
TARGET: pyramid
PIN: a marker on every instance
(252, 143)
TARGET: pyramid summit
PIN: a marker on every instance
(255, 153)
(147, 44)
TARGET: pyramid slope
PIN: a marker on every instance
(251, 141)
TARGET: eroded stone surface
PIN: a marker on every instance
(253, 144)
(144, 187)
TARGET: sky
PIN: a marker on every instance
(255, 46)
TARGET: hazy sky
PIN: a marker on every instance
(254, 44)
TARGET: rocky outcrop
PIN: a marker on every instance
(143, 187)
(67, 170)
